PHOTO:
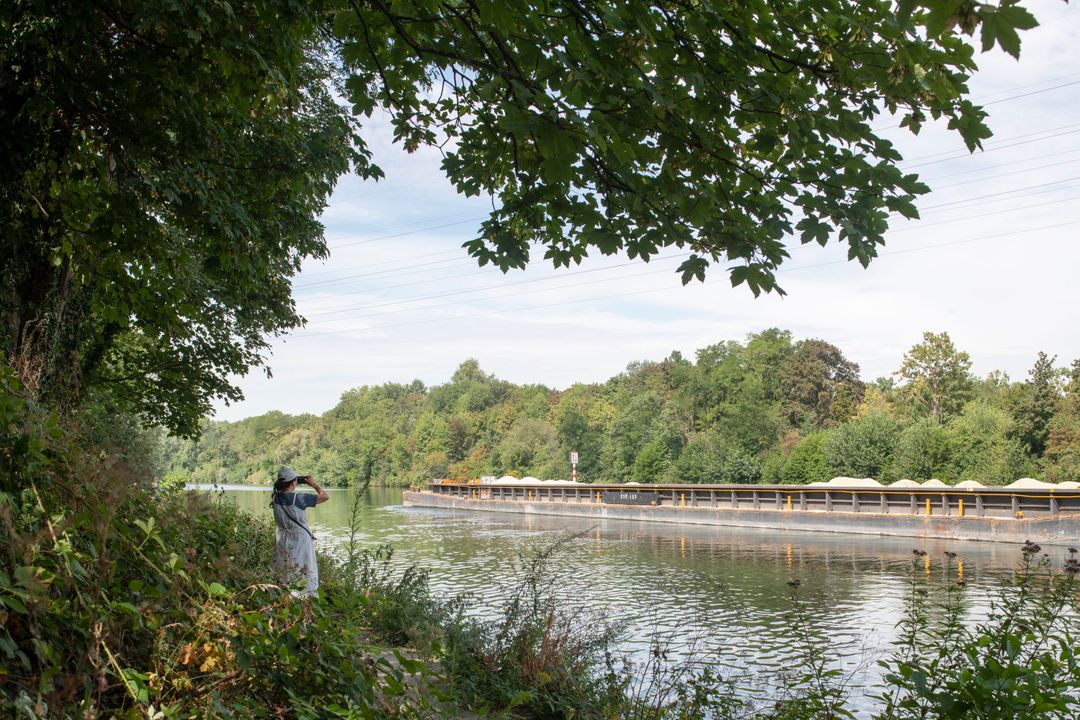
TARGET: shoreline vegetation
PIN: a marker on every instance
(122, 601)
(166, 166)
(771, 409)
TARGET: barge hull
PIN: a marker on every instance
(1056, 529)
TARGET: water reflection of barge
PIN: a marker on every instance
(1047, 515)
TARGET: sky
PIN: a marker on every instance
(992, 261)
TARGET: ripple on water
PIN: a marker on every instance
(722, 592)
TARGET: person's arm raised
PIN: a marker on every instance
(322, 497)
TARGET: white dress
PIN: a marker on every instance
(294, 546)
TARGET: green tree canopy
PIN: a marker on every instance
(820, 386)
(1038, 403)
(166, 161)
(164, 167)
(722, 128)
(937, 375)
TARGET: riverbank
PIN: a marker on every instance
(123, 601)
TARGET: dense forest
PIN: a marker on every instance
(770, 409)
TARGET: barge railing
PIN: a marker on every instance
(985, 502)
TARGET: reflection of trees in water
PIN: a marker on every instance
(726, 585)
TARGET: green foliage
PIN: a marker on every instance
(117, 602)
(652, 462)
(122, 603)
(937, 377)
(165, 165)
(166, 162)
(980, 448)
(806, 462)
(701, 460)
(1019, 662)
(1037, 405)
(922, 451)
(723, 142)
(739, 467)
(822, 387)
(741, 412)
(1062, 455)
(863, 448)
(529, 447)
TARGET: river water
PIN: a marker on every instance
(722, 590)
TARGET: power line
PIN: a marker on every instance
(999, 194)
(919, 225)
(1029, 94)
(421, 268)
(663, 289)
(306, 275)
(410, 232)
(411, 266)
(425, 281)
(1000, 100)
(500, 286)
(1007, 174)
(523, 292)
(931, 180)
(470, 261)
(390, 271)
(939, 245)
(961, 156)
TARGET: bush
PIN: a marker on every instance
(806, 461)
(922, 451)
(863, 447)
(1020, 662)
(121, 602)
(981, 449)
(701, 460)
(739, 467)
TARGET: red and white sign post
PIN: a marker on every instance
(573, 466)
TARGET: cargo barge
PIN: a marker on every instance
(1043, 514)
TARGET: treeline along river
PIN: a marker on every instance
(724, 590)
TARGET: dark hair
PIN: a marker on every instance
(281, 483)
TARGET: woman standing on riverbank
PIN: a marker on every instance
(294, 544)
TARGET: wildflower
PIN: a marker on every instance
(918, 553)
(950, 555)
(794, 583)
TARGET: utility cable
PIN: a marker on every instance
(908, 166)
(395, 272)
(1006, 174)
(560, 288)
(1000, 100)
(403, 234)
(668, 288)
(931, 180)
(500, 286)
(999, 194)
(919, 225)
(305, 275)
